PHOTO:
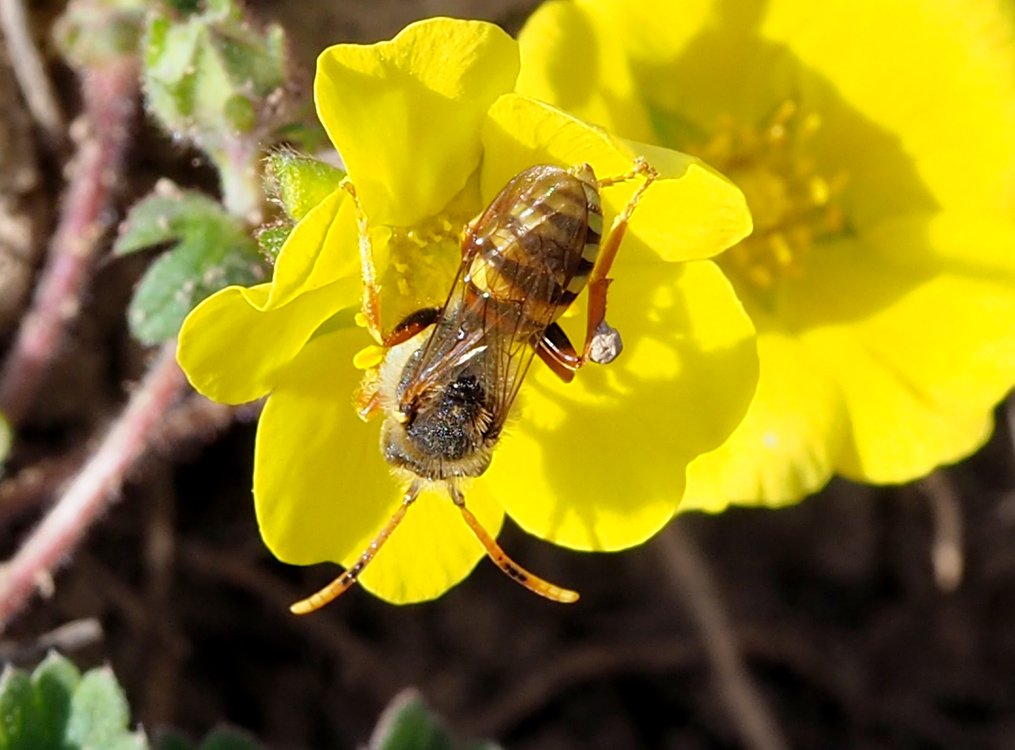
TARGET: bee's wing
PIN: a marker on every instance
(535, 233)
(506, 294)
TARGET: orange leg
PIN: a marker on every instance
(345, 581)
(371, 289)
(514, 571)
(602, 343)
(558, 353)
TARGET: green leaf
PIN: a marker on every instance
(56, 708)
(17, 701)
(212, 250)
(6, 437)
(407, 724)
(164, 216)
(270, 239)
(100, 715)
(91, 33)
(213, 72)
(54, 682)
(218, 739)
(299, 182)
(228, 739)
(173, 740)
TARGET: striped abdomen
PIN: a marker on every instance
(535, 246)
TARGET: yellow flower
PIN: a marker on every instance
(430, 130)
(875, 142)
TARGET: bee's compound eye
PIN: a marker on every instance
(606, 344)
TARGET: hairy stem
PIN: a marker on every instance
(110, 100)
(29, 70)
(239, 166)
(94, 487)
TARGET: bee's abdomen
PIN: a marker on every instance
(538, 241)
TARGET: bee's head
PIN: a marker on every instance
(440, 428)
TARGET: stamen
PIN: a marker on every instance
(793, 202)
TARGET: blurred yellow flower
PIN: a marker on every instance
(875, 142)
(429, 130)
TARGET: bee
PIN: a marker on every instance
(451, 373)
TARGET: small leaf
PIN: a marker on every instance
(196, 65)
(99, 711)
(270, 239)
(16, 706)
(166, 215)
(54, 682)
(173, 740)
(6, 437)
(407, 724)
(217, 739)
(212, 250)
(58, 708)
(228, 739)
(300, 182)
(180, 279)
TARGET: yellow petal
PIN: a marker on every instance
(591, 57)
(433, 549)
(946, 92)
(322, 490)
(321, 249)
(691, 212)
(919, 337)
(232, 345)
(788, 444)
(405, 114)
(599, 463)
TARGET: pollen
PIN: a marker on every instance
(795, 204)
(422, 258)
(368, 357)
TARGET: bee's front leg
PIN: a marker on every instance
(371, 288)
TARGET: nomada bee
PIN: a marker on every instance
(451, 373)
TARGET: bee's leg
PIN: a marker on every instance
(371, 289)
(411, 325)
(345, 581)
(640, 168)
(516, 572)
(368, 396)
(602, 343)
(558, 353)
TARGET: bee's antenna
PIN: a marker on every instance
(345, 581)
(516, 572)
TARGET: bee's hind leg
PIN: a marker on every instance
(602, 342)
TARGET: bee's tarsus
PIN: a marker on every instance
(349, 577)
(513, 570)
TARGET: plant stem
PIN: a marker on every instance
(94, 487)
(110, 100)
(239, 168)
(30, 72)
(691, 579)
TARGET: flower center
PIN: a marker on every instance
(423, 258)
(793, 203)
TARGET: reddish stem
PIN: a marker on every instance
(110, 100)
(94, 487)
